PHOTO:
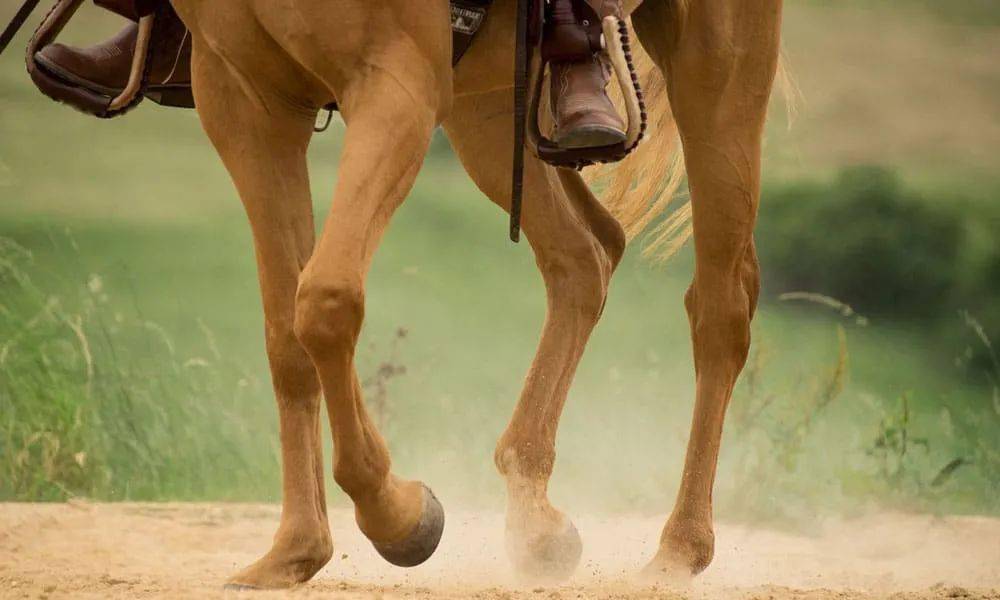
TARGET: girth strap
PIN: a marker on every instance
(520, 114)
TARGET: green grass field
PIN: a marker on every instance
(131, 347)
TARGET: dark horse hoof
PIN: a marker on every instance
(547, 558)
(421, 544)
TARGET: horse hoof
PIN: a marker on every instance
(421, 544)
(547, 558)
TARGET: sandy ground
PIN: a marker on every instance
(85, 550)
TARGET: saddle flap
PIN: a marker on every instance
(130, 9)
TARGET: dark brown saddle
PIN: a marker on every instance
(467, 16)
(540, 39)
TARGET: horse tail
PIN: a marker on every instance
(644, 186)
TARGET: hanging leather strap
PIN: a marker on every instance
(133, 10)
(520, 115)
(16, 23)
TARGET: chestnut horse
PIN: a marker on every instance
(262, 69)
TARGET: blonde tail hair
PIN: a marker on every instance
(645, 185)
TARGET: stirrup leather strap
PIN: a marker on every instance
(529, 75)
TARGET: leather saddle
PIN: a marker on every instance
(540, 39)
(467, 16)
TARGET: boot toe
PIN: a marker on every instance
(54, 56)
(63, 62)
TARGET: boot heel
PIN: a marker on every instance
(179, 97)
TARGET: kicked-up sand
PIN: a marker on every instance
(92, 550)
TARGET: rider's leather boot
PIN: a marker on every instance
(105, 68)
(584, 114)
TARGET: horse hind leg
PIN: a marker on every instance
(577, 245)
(264, 153)
(719, 57)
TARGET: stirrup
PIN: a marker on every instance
(529, 74)
(88, 100)
(615, 40)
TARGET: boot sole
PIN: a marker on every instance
(590, 136)
(177, 95)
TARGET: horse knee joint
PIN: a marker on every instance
(328, 316)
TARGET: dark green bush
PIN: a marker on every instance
(864, 239)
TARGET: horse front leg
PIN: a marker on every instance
(720, 58)
(577, 245)
(265, 154)
(390, 117)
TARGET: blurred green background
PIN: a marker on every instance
(131, 347)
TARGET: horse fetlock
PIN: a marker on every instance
(687, 546)
(364, 480)
(541, 542)
(297, 555)
(526, 461)
(311, 552)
